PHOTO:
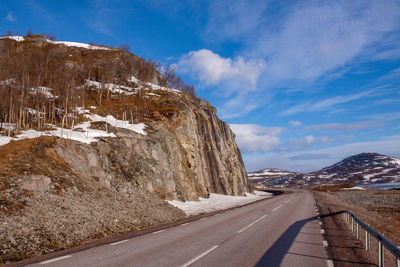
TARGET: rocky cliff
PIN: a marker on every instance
(184, 155)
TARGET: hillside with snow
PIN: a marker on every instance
(269, 173)
(362, 168)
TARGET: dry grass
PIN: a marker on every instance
(138, 108)
(335, 187)
(29, 157)
(379, 208)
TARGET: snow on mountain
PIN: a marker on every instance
(361, 168)
(269, 173)
(67, 43)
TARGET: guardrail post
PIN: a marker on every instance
(380, 255)
(366, 240)
(352, 224)
(358, 230)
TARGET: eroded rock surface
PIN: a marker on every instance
(188, 155)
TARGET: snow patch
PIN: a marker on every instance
(217, 202)
(395, 161)
(16, 38)
(67, 43)
(85, 135)
(354, 188)
(139, 127)
(82, 45)
(46, 91)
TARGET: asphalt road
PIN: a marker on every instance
(280, 231)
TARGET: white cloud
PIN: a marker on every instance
(387, 116)
(318, 37)
(325, 104)
(302, 143)
(295, 123)
(237, 106)
(10, 17)
(355, 126)
(211, 68)
(255, 138)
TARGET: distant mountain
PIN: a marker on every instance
(361, 168)
(270, 173)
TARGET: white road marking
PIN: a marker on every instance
(200, 256)
(183, 224)
(322, 231)
(160, 231)
(55, 259)
(320, 223)
(119, 242)
(289, 200)
(250, 225)
(329, 263)
(202, 219)
(277, 207)
(324, 243)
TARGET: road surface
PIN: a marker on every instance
(280, 231)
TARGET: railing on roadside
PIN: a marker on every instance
(357, 224)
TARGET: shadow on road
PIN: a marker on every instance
(274, 256)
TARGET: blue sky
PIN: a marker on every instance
(303, 84)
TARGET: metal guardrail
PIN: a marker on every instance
(357, 224)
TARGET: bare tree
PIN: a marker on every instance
(125, 46)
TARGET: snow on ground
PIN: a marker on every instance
(217, 202)
(67, 43)
(354, 188)
(75, 44)
(121, 89)
(16, 38)
(114, 88)
(46, 91)
(5, 140)
(139, 127)
(395, 161)
(85, 135)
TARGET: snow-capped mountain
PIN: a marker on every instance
(269, 173)
(360, 168)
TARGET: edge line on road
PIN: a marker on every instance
(55, 259)
(199, 257)
(119, 242)
(158, 231)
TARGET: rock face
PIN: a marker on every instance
(184, 156)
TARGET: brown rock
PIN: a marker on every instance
(36, 183)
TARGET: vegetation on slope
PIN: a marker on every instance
(42, 84)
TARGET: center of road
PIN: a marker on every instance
(200, 256)
(253, 223)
